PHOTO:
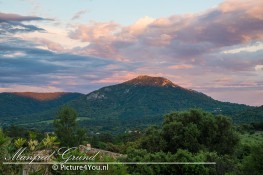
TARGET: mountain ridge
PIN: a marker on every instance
(41, 96)
(138, 102)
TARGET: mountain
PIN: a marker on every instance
(20, 106)
(143, 101)
(250, 115)
(136, 103)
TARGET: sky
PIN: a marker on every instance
(211, 46)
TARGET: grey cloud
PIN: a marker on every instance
(16, 27)
(13, 23)
(19, 18)
(79, 14)
(37, 67)
(242, 61)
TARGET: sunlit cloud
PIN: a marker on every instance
(13, 54)
(176, 37)
(183, 66)
(54, 39)
(259, 67)
(249, 48)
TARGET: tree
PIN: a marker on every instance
(141, 155)
(226, 139)
(252, 164)
(20, 142)
(4, 142)
(152, 140)
(66, 128)
(5, 145)
(193, 130)
(50, 141)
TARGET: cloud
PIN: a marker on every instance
(12, 23)
(13, 54)
(238, 95)
(175, 37)
(22, 64)
(16, 27)
(139, 26)
(183, 66)
(19, 18)
(79, 14)
(55, 38)
(95, 31)
(259, 67)
(23, 88)
(241, 61)
(117, 77)
(251, 9)
(50, 45)
(253, 47)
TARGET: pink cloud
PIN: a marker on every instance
(49, 44)
(175, 37)
(139, 26)
(19, 18)
(117, 77)
(250, 8)
(95, 31)
(183, 66)
(235, 95)
(25, 88)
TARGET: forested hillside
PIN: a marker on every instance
(137, 103)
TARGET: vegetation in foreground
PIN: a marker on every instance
(191, 136)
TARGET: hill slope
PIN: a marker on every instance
(250, 115)
(135, 103)
(16, 105)
(143, 101)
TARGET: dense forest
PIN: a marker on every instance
(190, 136)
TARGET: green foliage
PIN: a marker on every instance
(180, 156)
(194, 130)
(66, 128)
(253, 139)
(32, 135)
(21, 132)
(225, 164)
(192, 136)
(4, 142)
(3, 138)
(127, 105)
(32, 144)
(252, 164)
(152, 140)
(5, 153)
(16, 131)
(249, 115)
(226, 139)
(20, 142)
(50, 141)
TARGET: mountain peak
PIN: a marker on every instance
(146, 80)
